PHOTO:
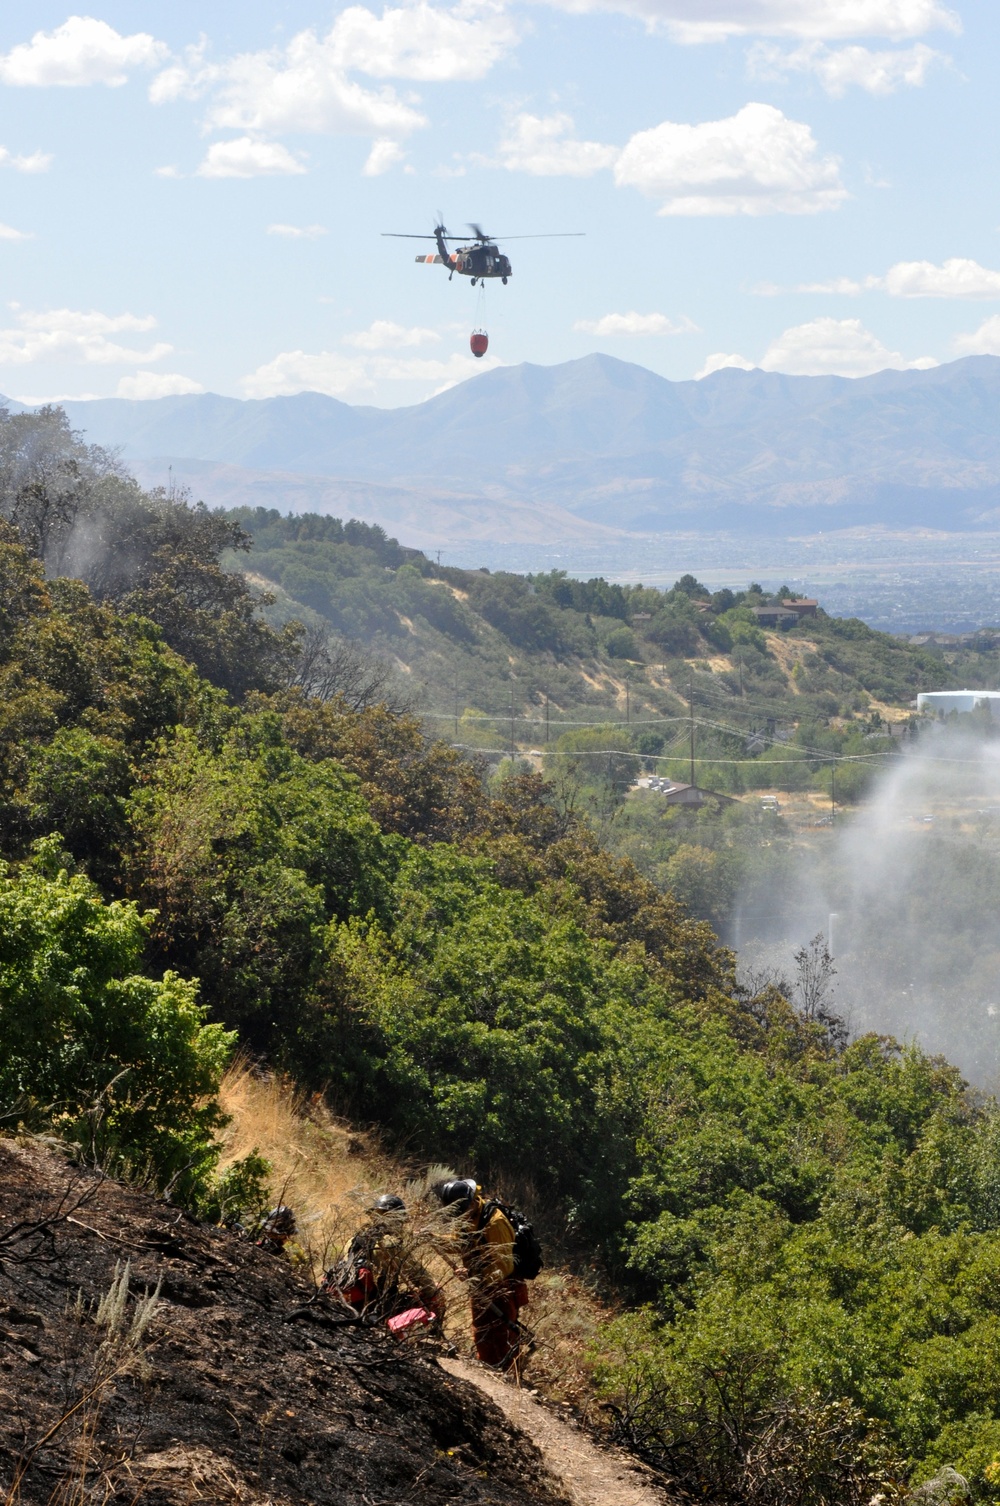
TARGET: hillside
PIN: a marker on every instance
(212, 1393)
(601, 443)
(604, 687)
(218, 837)
(474, 650)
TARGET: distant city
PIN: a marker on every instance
(900, 583)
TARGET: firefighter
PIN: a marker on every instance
(379, 1275)
(486, 1237)
(276, 1229)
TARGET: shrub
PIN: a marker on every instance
(728, 1427)
(125, 1063)
(247, 851)
(621, 644)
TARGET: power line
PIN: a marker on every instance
(756, 763)
(808, 753)
(540, 721)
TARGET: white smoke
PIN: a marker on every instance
(907, 891)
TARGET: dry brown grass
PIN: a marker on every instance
(564, 1315)
(323, 1168)
(328, 1171)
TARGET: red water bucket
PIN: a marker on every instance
(479, 342)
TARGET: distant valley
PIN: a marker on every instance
(593, 451)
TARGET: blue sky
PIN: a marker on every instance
(191, 197)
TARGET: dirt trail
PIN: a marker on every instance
(589, 1475)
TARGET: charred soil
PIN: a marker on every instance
(216, 1392)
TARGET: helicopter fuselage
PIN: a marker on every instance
(481, 259)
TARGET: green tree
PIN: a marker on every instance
(247, 850)
(499, 1029)
(123, 1062)
(48, 476)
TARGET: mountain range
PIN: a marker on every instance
(594, 448)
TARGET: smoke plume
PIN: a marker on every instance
(907, 892)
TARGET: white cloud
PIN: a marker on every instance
(610, 325)
(306, 86)
(958, 277)
(838, 68)
(298, 232)
(80, 51)
(303, 87)
(835, 347)
(188, 77)
(151, 384)
(34, 401)
(168, 171)
(839, 286)
(543, 146)
(8, 233)
(383, 155)
(35, 162)
(824, 347)
(694, 21)
(755, 162)
(243, 157)
(383, 334)
(421, 42)
(985, 341)
(72, 335)
(720, 362)
(344, 376)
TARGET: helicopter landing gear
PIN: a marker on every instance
(504, 281)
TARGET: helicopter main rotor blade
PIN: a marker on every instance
(399, 235)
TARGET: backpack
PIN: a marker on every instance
(352, 1277)
(527, 1248)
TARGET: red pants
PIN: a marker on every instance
(495, 1326)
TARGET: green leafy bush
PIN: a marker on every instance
(247, 850)
(124, 1063)
(621, 644)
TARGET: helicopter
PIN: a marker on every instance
(479, 259)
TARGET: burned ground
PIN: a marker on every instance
(219, 1397)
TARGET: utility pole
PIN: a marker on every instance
(691, 722)
(546, 717)
(456, 705)
(512, 721)
(740, 662)
(628, 691)
(833, 795)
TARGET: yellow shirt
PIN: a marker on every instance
(491, 1258)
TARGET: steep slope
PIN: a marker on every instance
(221, 1397)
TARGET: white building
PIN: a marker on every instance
(943, 702)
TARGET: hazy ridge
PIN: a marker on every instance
(598, 444)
